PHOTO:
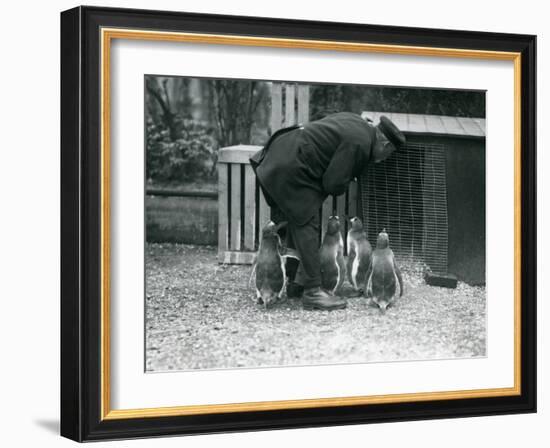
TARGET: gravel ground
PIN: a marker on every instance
(203, 315)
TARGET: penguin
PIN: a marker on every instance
(269, 265)
(331, 254)
(384, 274)
(359, 255)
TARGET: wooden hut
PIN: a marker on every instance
(430, 196)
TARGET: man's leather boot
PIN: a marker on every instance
(318, 299)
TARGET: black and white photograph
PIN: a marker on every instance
(294, 224)
(275, 224)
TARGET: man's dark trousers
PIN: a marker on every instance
(305, 240)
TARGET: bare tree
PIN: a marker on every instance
(172, 98)
(235, 104)
(160, 93)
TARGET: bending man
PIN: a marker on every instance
(301, 165)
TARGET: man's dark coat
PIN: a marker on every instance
(300, 166)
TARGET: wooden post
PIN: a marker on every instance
(249, 208)
(341, 205)
(276, 106)
(352, 199)
(290, 104)
(223, 223)
(236, 223)
(303, 103)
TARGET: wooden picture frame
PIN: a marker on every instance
(86, 34)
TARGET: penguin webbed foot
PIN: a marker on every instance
(355, 293)
(371, 303)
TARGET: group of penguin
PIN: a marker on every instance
(371, 273)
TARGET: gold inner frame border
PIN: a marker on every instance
(107, 35)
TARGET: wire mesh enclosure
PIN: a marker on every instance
(407, 195)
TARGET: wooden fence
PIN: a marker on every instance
(242, 209)
(241, 205)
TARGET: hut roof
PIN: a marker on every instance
(432, 124)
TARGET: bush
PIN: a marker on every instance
(189, 157)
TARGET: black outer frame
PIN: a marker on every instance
(80, 223)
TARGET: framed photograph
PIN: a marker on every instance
(273, 223)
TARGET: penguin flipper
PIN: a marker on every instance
(351, 258)
(329, 278)
(362, 273)
(253, 271)
(368, 285)
(329, 270)
(283, 267)
(399, 277)
(341, 271)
